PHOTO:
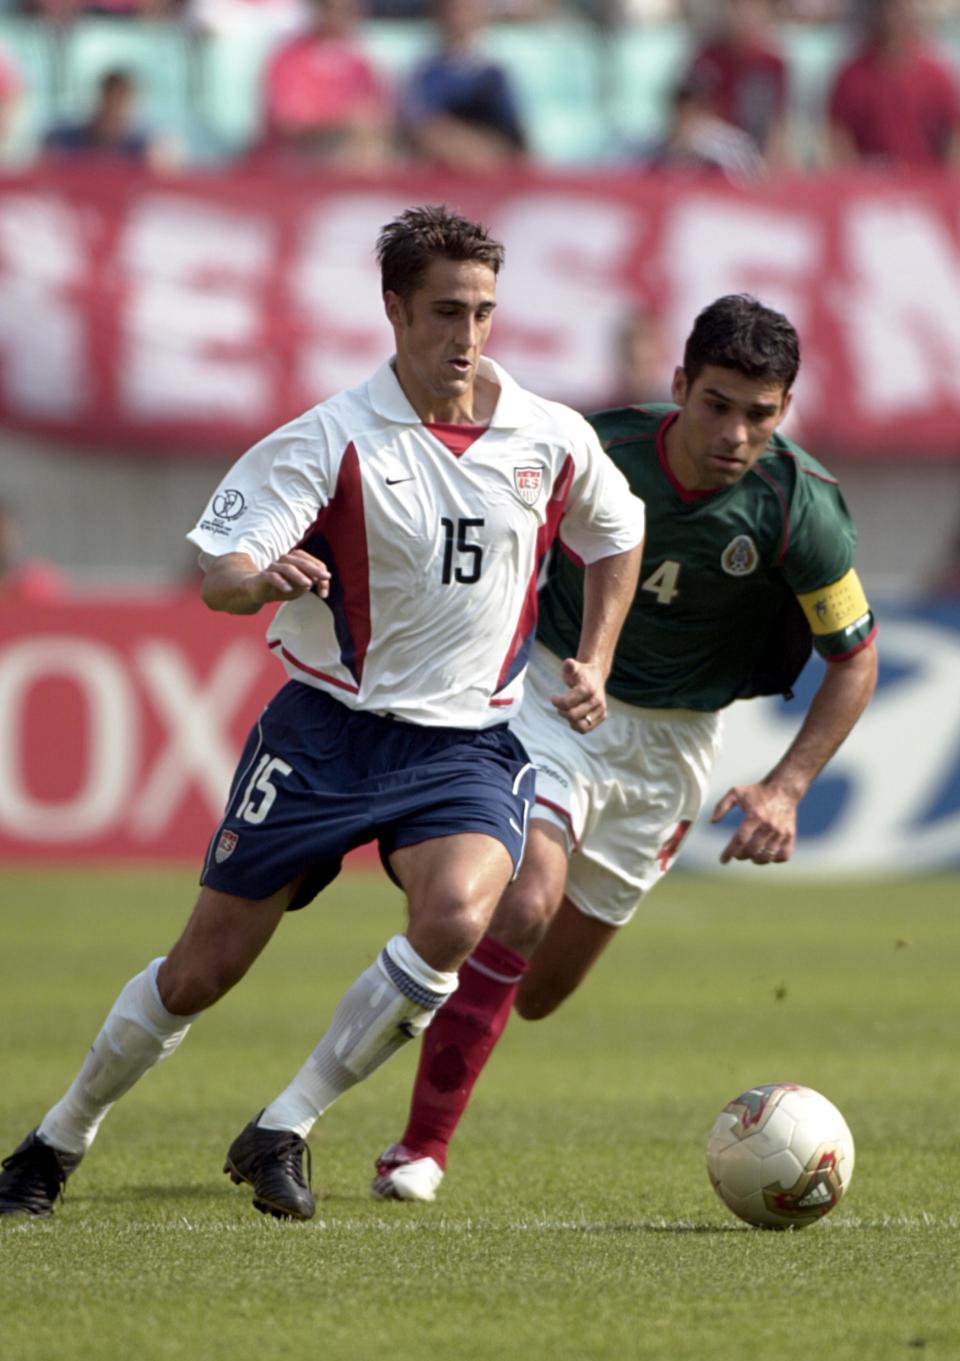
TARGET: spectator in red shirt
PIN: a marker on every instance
(24, 579)
(323, 98)
(9, 94)
(744, 77)
(638, 360)
(896, 99)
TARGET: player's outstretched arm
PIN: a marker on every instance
(235, 584)
(608, 589)
(768, 831)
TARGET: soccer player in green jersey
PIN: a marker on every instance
(748, 562)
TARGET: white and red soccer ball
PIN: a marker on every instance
(780, 1156)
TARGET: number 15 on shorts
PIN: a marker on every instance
(261, 792)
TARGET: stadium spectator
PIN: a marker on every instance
(636, 11)
(749, 556)
(65, 11)
(507, 10)
(399, 9)
(895, 101)
(458, 109)
(270, 20)
(697, 141)
(10, 90)
(816, 11)
(637, 361)
(113, 132)
(323, 97)
(392, 726)
(740, 72)
(24, 578)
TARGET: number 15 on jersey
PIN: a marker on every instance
(462, 555)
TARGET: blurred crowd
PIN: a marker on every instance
(323, 97)
(311, 86)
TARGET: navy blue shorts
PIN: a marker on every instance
(317, 779)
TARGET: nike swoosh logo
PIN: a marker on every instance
(392, 481)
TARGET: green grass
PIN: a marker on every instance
(577, 1220)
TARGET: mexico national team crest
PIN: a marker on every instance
(528, 482)
(740, 557)
(225, 846)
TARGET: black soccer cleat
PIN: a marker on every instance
(33, 1177)
(271, 1161)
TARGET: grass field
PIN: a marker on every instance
(577, 1220)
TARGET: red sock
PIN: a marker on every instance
(457, 1044)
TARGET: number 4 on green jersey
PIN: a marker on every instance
(663, 582)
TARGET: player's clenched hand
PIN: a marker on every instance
(768, 831)
(584, 703)
(290, 576)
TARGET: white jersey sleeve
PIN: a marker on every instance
(272, 495)
(602, 515)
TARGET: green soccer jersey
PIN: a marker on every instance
(733, 582)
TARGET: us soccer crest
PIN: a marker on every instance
(740, 557)
(528, 482)
(225, 846)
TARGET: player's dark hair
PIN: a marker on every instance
(407, 245)
(738, 332)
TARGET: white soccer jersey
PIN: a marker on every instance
(434, 555)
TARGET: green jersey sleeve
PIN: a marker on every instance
(818, 556)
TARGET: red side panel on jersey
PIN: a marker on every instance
(311, 670)
(522, 640)
(339, 538)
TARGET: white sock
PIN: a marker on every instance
(137, 1034)
(392, 1002)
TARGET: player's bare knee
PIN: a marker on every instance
(448, 929)
(523, 916)
(460, 935)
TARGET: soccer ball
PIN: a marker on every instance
(780, 1156)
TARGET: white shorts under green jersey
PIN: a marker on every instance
(624, 795)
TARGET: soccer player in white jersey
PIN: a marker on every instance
(748, 562)
(402, 525)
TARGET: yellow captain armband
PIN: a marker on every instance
(835, 607)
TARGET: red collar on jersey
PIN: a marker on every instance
(685, 493)
(456, 438)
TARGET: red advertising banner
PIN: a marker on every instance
(194, 315)
(121, 724)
